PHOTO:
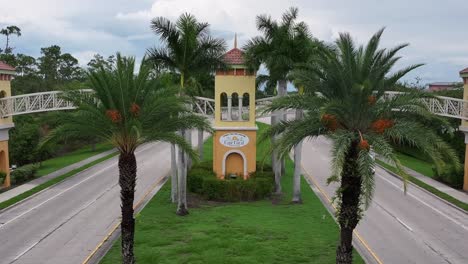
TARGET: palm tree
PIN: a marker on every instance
(128, 110)
(281, 47)
(345, 101)
(189, 50)
(10, 30)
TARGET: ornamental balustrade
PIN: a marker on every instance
(54, 101)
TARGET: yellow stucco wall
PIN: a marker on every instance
(4, 162)
(230, 84)
(464, 125)
(249, 151)
(5, 86)
(465, 97)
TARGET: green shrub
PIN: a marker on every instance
(261, 166)
(24, 173)
(450, 176)
(202, 180)
(2, 177)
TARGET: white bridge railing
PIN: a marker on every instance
(53, 101)
(443, 106)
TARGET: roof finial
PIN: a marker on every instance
(235, 41)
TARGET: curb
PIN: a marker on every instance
(43, 190)
(362, 246)
(106, 243)
(426, 191)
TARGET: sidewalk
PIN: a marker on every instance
(29, 185)
(459, 195)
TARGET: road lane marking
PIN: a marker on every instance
(106, 238)
(55, 196)
(393, 216)
(403, 224)
(426, 204)
(356, 233)
(69, 188)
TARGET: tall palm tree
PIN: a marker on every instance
(280, 48)
(345, 101)
(189, 50)
(9, 30)
(128, 110)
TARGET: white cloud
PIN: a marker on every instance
(82, 27)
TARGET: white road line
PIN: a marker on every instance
(385, 210)
(58, 194)
(404, 224)
(24, 252)
(426, 204)
(66, 190)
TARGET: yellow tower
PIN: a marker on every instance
(464, 125)
(6, 73)
(235, 137)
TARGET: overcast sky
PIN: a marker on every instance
(437, 30)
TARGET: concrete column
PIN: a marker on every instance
(240, 108)
(6, 74)
(229, 108)
(464, 125)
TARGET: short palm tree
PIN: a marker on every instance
(346, 101)
(279, 49)
(128, 110)
(190, 51)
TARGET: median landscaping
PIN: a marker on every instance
(217, 231)
(426, 186)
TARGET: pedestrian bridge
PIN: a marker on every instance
(54, 101)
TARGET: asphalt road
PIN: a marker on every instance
(65, 223)
(412, 228)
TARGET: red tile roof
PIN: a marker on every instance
(464, 71)
(234, 57)
(6, 67)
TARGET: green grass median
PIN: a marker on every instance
(54, 164)
(427, 187)
(51, 182)
(246, 232)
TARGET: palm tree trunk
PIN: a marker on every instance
(188, 137)
(127, 182)
(200, 144)
(275, 162)
(182, 182)
(282, 91)
(348, 216)
(173, 173)
(297, 167)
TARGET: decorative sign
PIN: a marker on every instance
(234, 140)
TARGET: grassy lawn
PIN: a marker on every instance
(427, 187)
(254, 232)
(78, 155)
(421, 166)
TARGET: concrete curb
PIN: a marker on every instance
(428, 192)
(359, 244)
(109, 152)
(108, 241)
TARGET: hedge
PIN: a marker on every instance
(202, 180)
(24, 173)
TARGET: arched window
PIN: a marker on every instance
(224, 108)
(245, 107)
(235, 107)
(2, 94)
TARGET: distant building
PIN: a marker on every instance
(463, 72)
(443, 86)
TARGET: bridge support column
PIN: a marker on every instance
(464, 125)
(6, 74)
